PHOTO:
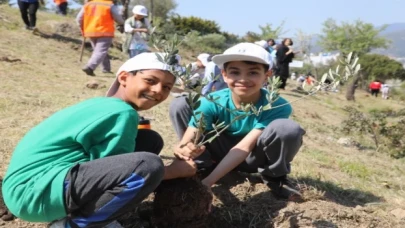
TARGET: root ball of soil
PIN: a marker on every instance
(183, 202)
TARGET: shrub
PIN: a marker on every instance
(211, 43)
(385, 127)
(398, 93)
(187, 24)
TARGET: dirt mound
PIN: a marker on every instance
(181, 203)
(68, 29)
(329, 214)
(95, 84)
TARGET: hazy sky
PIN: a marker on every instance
(237, 16)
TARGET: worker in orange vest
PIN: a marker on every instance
(61, 6)
(96, 20)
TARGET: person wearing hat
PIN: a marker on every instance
(137, 29)
(213, 78)
(271, 45)
(198, 70)
(262, 43)
(265, 143)
(96, 20)
(79, 167)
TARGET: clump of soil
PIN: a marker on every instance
(95, 84)
(9, 60)
(5, 215)
(183, 202)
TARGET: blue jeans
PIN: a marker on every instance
(135, 52)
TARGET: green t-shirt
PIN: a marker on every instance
(92, 129)
(214, 113)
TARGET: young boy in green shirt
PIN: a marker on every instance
(264, 144)
(78, 165)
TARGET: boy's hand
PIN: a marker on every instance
(188, 151)
(180, 168)
(209, 208)
(207, 182)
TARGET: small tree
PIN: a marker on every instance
(160, 9)
(304, 41)
(211, 43)
(358, 37)
(185, 25)
(375, 66)
(266, 32)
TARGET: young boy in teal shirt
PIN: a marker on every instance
(78, 165)
(264, 144)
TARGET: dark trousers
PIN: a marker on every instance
(375, 92)
(62, 8)
(28, 9)
(283, 83)
(99, 191)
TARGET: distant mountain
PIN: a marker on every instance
(395, 27)
(394, 32)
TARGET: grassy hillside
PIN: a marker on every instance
(343, 186)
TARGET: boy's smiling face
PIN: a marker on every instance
(245, 79)
(146, 88)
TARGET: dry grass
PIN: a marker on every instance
(49, 78)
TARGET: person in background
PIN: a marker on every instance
(293, 76)
(137, 30)
(300, 81)
(375, 87)
(96, 20)
(285, 54)
(28, 10)
(198, 70)
(61, 6)
(385, 91)
(309, 79)
(214, 79)
(271, 43)
(263, 44)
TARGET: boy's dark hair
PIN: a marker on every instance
(274, 42)
(265, 66)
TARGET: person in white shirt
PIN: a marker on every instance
(137, 29)
(385, 90)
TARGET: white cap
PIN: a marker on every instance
(140, 10)
(143, 61)
(243, 52)
(203, 57)
(262, 43)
